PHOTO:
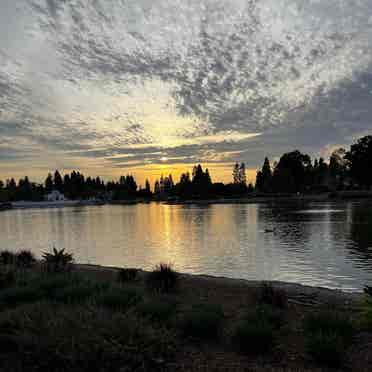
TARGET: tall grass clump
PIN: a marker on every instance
(327, 337)
(163, 279)
(255, 334)
(58, 260)
(203, 321)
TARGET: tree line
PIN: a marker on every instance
(295, 172)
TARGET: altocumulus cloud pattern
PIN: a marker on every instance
(119, 83)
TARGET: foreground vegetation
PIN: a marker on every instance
(57, 316)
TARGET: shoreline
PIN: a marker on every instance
(325, 295)
(244, 200)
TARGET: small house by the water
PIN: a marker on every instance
(55, 195)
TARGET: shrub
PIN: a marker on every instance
(366, 312)
(162, 279)
(272, 296)
(368, 290)
(44, 337)
(127, 275)
(25, 259)
(7, 258)
(255, 334)
(203, 321)
(20, 295)
(160, 310)
(58, 260)
(326, 348)
(327, 336)
(7, 278)
(119, 298)
(329, 322)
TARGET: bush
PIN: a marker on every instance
(58, 261)
(162, 279)
(7, 279)
(329, 322)
(7, 258)
(44, 337)
(11, 297)
(75, 292)
(119, 298)
(203, 321)
(326, 348)
(127, 275)
(25, 259)
(272, 296)
(366, 312)
(255, 334)
(327, 336)
(160, 310)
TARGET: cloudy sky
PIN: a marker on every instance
(153, 86)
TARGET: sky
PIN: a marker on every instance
(111, 87)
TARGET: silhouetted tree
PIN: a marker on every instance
(360, 161)
(290, 172)
(58, 182)
(49, 183)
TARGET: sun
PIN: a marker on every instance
(164, 158)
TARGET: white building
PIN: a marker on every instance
(55, 195)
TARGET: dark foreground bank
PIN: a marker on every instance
(56, 317)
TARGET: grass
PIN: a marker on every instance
(270, 295)
(327, 337)
(203, 321)
(157, 309)
(255, 334)
(118, 299)
(127, 275)
(53, 338)
(162, 279)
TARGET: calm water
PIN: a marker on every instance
(327, 244)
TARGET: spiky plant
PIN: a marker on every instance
(58, 260)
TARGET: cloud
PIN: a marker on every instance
(192, 80)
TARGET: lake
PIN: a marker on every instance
(320, 244)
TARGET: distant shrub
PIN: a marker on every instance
(162, 279)
(127, 275)
(58, 260)
(7, 258)
(272, 296)
(119, 298)
(25, 259)
(203, 321)
(327, 336)
(160, 310)
(255, 333)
